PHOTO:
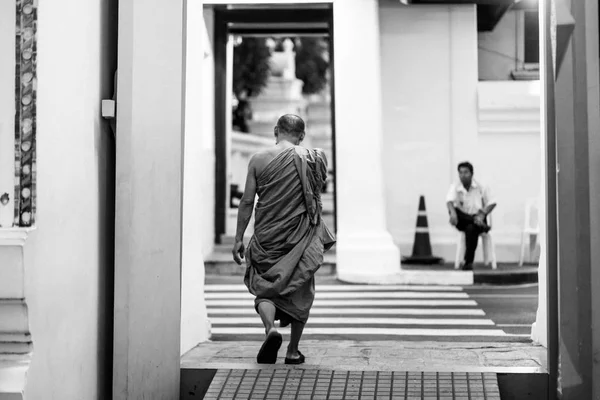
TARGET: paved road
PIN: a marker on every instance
(399, 312)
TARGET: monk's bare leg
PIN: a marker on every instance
(297, 328)
(266, 311)
(268, 351)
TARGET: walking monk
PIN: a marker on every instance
(289, 235)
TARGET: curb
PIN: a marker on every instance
(526, 275)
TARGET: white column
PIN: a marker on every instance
(464, 78)
(194, 320)
(539, 329)
(149, 143)
(365, 250)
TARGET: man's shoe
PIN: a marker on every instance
(467, 267)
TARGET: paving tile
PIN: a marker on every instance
(288, 384)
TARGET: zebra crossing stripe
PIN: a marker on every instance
(360, 321)
(344, 288)
(361, 311)
(356, 303)
(385, 312)
(308, 331)
(356, 295)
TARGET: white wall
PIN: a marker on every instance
(69, 259)
(429, 111)
(7, 108)
(436, 114)
(197, 173)
(501, 50)
(510, 138)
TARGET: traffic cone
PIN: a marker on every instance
(421, 253)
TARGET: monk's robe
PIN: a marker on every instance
(289, 235)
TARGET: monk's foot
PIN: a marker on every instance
(294, 357)
(270, 330)
(291, 353)
(270, 347)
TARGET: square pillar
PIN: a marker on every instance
(365, 250)
(149, 186)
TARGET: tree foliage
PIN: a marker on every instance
(251, 68)
(312, 64)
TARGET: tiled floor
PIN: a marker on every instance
(267, 384)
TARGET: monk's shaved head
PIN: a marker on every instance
(290, 124)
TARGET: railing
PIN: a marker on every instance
(243, 146)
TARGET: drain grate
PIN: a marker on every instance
(288, 384)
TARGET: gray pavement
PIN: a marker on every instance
(511, 308)
(350, 355)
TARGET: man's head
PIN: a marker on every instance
(290, 127)
(465, 173)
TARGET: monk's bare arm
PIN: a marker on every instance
(247, 202)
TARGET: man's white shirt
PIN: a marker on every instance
(472, 200)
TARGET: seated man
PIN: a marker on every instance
(469, 203)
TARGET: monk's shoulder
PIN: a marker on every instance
(320, 152)
(260, 160)
(260, 156)
(257, 159)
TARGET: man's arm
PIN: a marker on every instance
(488, 209)
(489, 204)
(245, 211)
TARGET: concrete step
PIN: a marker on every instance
(230, 268)
(220, 261)
(223, 251)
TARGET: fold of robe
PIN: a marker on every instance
(289, 235)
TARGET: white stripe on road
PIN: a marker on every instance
(355, 295)
(368, 331)
(345, 288)
(360, 321)
(355, 303)
(361, 311)
(513, 325)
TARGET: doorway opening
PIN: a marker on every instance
(269, 62)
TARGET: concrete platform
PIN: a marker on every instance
(347, 355)
(368, 370)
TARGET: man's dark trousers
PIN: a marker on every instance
(466, 224)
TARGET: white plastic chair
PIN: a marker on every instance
(531, 227)
(489, 250)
